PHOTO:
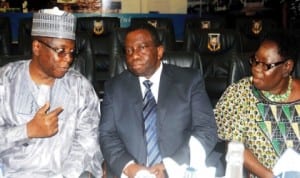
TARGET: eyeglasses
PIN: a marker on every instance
(254, 62)
(141, 48)
(61, 52)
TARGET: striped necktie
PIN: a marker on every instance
(149, 113)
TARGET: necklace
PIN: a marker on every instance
(280, 97)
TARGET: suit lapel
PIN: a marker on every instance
(136, 102)
(135, 95)
(165, 86)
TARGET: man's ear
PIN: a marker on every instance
(160, 51)
(35, 47)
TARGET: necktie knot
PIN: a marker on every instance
(147, 84)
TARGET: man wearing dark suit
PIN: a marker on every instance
(183, 109)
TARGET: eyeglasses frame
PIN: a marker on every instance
(59, 51)
(254, 62)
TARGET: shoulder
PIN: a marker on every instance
(121, 79)
(241, 90)
(11, 70)
(75, 78)
(238, 92)
(181, 73)
(74, 74)
(242, 85)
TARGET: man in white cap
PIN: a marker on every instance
(49, 113)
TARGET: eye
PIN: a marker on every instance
(128, 50)
(142, 47)
(60, 50)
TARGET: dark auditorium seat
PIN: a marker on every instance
(293, 39)
(24, 38)
(5, 36)
(99, 29)
(222, 64)
(253, 29)
(11, 58)
(205, 22)
(83, 58)
(296, 71)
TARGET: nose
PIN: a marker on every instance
(258, 68)
(68, 57)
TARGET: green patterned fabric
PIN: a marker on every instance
(266, 128)
(280, 123)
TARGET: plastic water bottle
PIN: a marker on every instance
(235, 160)
(190, 173)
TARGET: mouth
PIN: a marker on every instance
(256, 79)
(63, 69)
(136, 65)
(258, 82)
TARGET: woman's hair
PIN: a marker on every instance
(285, 43)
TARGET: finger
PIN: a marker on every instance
(44, 108)
(153, 170)
(55, 112)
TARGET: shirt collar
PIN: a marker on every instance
(155, 79)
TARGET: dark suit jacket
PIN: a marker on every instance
(183, 109)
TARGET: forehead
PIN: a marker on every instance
(268, 50)
(139, 35)
(60, 42)
(269, 46)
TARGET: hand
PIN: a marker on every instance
(132, 169)
(158, 170)
(44, 124)
(269, 174)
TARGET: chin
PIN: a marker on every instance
(59, 75)
(259, 86)
(257, 82)
(136, 72)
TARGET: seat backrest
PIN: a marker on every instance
(296, 71)
(205, 22)
(24, 38)
(178, 58)
(5, 36)
(222, 64)
(83, 58)
(165, 26)
(253, 29)
(100, 30)
(294, 24)
(11, 58)
(293, 40)
(117, 50)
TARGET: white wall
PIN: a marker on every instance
(131, 6)
(162, 6)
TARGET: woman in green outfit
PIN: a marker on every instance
(262, 111)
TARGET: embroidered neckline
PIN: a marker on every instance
(280, 97)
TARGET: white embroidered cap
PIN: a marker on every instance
(54, 23)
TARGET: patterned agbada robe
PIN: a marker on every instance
(266, 128)
(68, 153)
